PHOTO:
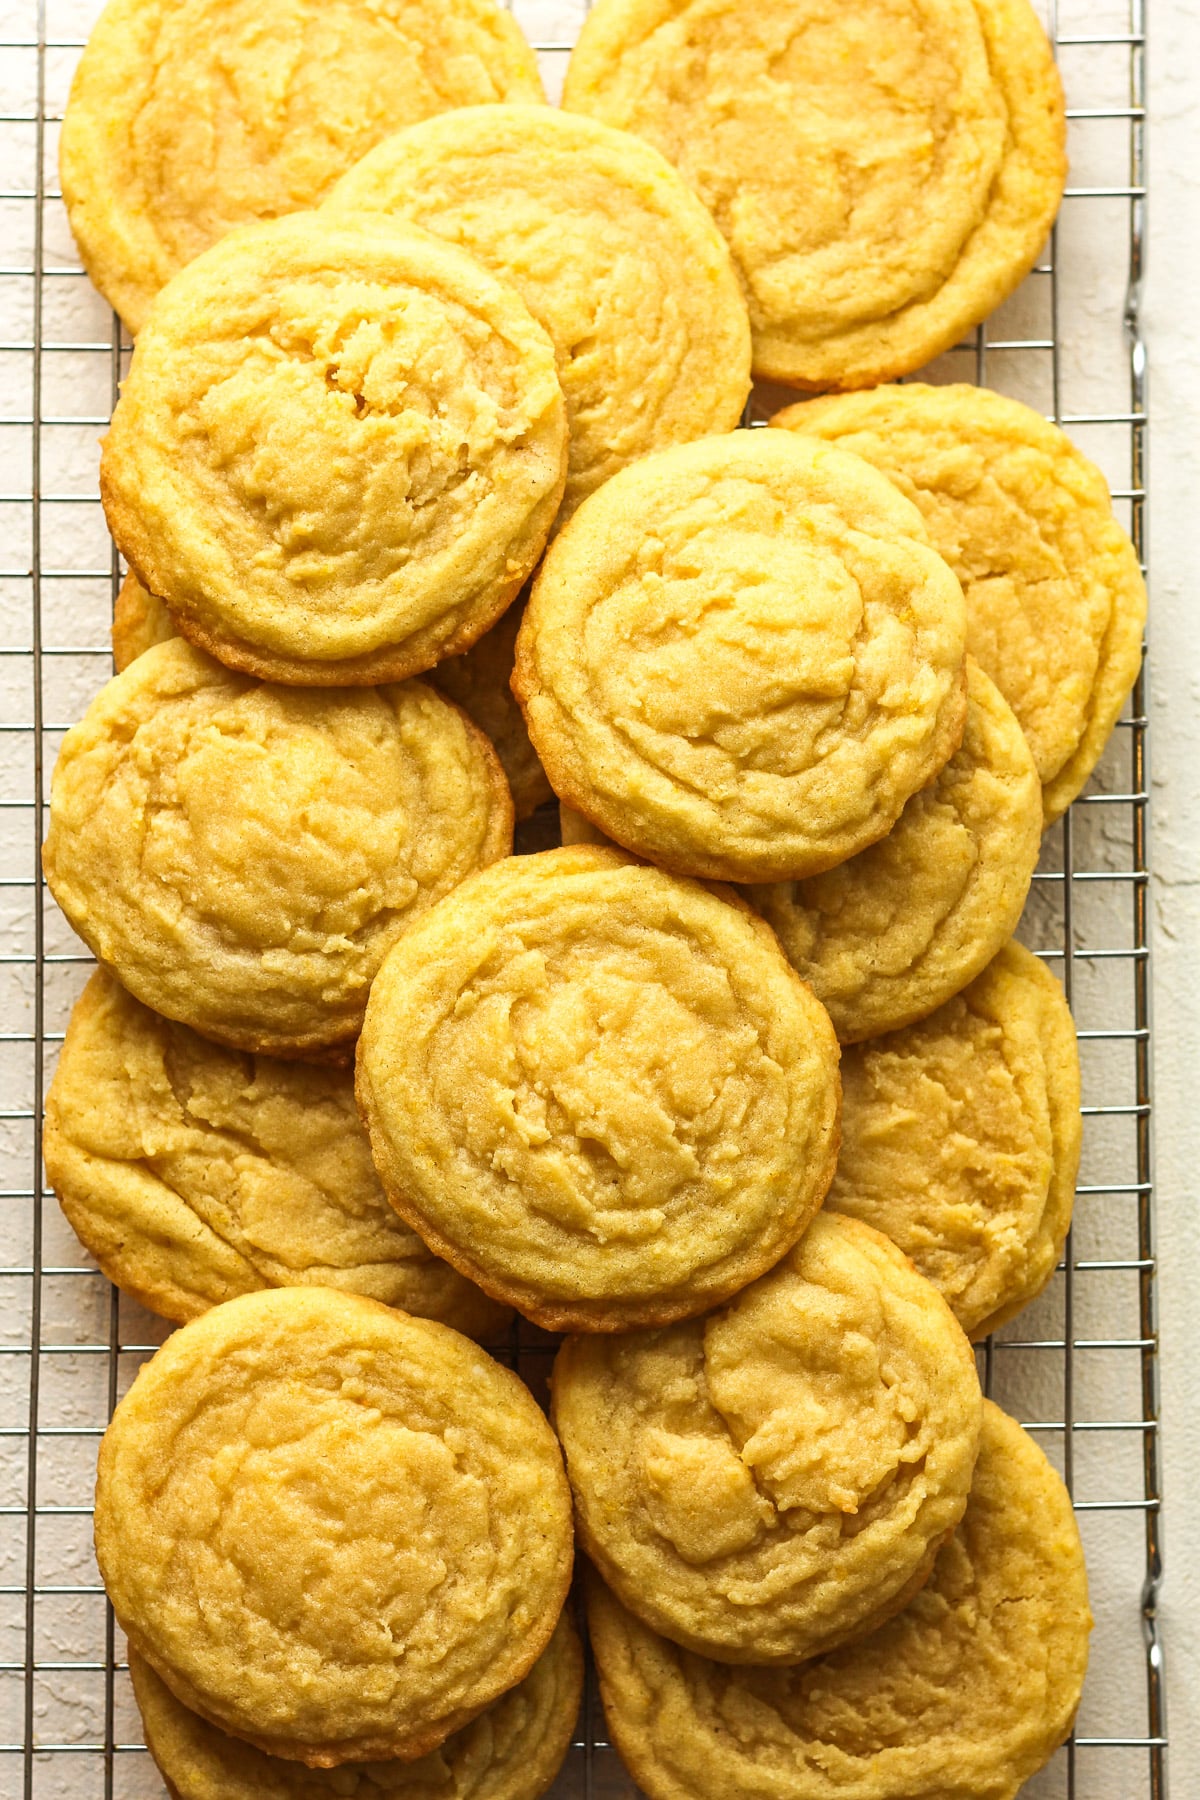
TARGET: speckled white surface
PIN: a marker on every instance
(69, 1703)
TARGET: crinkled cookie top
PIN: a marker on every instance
(243, 854)
(742, 656)
(339, 449)
(611, 252)
(961, 1138)
(962, 1695)
(768, 1482)
(884, 173)
(331, 1529)
(599, 1090)
(191, 117)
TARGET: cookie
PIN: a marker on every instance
(961, 1139)
(140, 620)
(1056, 604)
(333, 1530)
(478, 681)
(194, 1173)
(742, 656)
(243, 855)
(775, 1479)
(611, 252)
(888, 936)
(510, 1752)
(189, 118)
(600, 1092)
(884, 175)
(965, 1693)
(338, 451)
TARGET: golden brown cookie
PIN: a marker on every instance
(140, 620)
(741, 657)
(961, 1696)
(189, 118)
(194, 1173)
(961, 1139)
(339, 449)
(243, 855)
(611, 252)
(775, 1479)
(884, 174)
(478, 681)
(599, 1091)
(888, 936)
(512, 1751)
(1056, 604)
(333, 1530)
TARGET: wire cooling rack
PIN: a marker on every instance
(1078, 1367)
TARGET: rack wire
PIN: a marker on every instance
(1079, 1367)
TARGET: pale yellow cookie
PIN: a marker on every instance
(194, 1173)
(189, 117)
(962, 1696)
(1056, 604)
(243, 855)
(338, 451)
(478, 681)
(771, 1481)
(742, 656)
(611, 252)
(961, 1139)
(888, 936)
(598, 1090)
(884, 173)
(333, 1530)
(140, 620)
(510, 1752)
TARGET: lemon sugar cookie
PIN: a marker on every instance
(194, 1173)
(140, 620)
(242, 855)
(478, 681)
(961, 1139)
(511, 1751)
(611, 252)
(964, 1694)
(191, 117)
(775, 1479)
(599, 1091)
(742, 656)
(338, 451)
(884, 174)
(1056, 604)
(886, 937)
(332, 1530)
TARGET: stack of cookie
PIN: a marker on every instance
(427, 477)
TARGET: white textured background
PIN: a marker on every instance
(70, 1700)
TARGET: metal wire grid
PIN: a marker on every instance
(1079, 1367)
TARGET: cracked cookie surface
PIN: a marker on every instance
(339, 449)
(961, 1696)
(194, 1173)
(884, 173)
(189, 118)
(775, 1479)
(599, 1091)
(511, 1751)
(611, 252)
(333, 1530)
(740, 660)
(243, 855)
(961, 1138)
(894, 932)
(1056, 604)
